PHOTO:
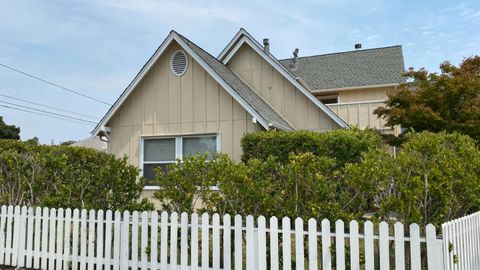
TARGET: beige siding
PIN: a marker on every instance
(164, 104)
(365, 94)
(301, 112)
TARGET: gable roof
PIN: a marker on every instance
(245, 96)
(246, 93)
(368, 67)
(243, 37)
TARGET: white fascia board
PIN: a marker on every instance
(134, 83)
(285, 74)
(231, 43)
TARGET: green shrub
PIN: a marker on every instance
(344, 145)
(306, 186)
(64, 176)
(435, 178)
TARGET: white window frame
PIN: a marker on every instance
(178, 149)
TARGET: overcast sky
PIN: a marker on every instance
(97, 47)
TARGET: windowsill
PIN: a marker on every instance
(148, 188)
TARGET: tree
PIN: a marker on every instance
(9, 131)
(449, 101)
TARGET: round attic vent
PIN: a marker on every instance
(179, 63)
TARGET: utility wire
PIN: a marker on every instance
(48, 106)
(54, 84)
(52, 113)
(42, 114)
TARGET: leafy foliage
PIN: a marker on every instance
(435, 178)
(343, 145)
(63, 176)
(9, 131)
(449, 101)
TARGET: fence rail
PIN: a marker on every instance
(80, 239)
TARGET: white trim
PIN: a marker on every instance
(186, 63)
(228, 53)
(354, 88)
(357, 102)
(173, 36)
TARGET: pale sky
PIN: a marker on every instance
(97, 47)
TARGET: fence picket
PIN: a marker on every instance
(384, 246)
(83, 239)
(75, 235)
(326, 245)
(124, 240)
(3, 222)
(399, 246)
(173, 239)
(238, 243)
(21, 232)
(434, 248)
(369, 246)
(216, 241)
(227, 248)
(194, 242)
(30, 232)
(262, 243)
(340, 244)
(299, 256)
(67, 235)
(354, 246)
(108, 239)
(184, 241)
(273, 243)
(44, 255)
(16, 235)
(250, 245)
(144, 241)
(205, 245)
(91, 240)
(117, 240)
(100, 239)
(415, 247)
(59, 255)
(134, 245)
(164, 241)
(286, 244)
(9, 236)
(312, 245)
(154, 241)
(51, 248)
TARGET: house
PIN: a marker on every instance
(185, 101)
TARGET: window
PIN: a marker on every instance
(160, 152)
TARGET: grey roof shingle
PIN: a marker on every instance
(245, 92)
(353, 68)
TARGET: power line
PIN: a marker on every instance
(52, 113)
(42, 114)
(54, 84)
(48, 106)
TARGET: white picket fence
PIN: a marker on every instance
(462, 242)
(65, 239)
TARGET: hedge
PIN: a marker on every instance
(344, 145)
(66, 176)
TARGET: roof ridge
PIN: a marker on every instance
(344, 52)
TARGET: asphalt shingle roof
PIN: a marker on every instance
(349, 69)
(245, 92)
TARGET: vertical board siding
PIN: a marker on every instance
(80, 239)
